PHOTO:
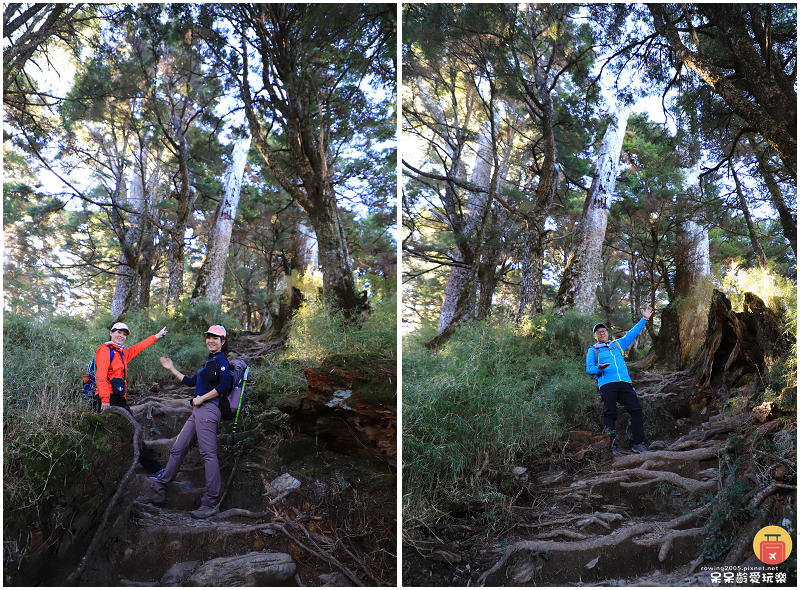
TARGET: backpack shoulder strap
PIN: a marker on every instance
(111, 360)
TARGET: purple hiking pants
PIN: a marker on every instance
(201, 427)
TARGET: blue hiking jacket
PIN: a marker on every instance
(205, 380)
(611, 353)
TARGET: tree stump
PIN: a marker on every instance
(738, 344)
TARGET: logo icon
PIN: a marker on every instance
(772, 545)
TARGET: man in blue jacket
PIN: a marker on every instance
(605, 361)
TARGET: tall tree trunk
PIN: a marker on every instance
(579, 284)
(748, 219)
(185, 207)
(211, 277)
(487, 271)
(788, 220)
(459, 278)
(303, 170)
(684, 320)
(461, 305)
(127, 266)
(530, 298)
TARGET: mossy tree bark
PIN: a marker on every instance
(186, 198)
(760, 92)
(684, 320)
(470, 221)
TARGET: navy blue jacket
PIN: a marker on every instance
(205, 379)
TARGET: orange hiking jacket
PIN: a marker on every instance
(118, 368)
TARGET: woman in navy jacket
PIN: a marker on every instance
(606, 363)
(213, 380)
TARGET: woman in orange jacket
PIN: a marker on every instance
(111, 362)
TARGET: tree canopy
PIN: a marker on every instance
(120, 126)
(527, 92)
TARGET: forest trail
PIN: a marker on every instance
(325, 523)
(589, 518)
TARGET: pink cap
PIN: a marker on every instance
(217, 330)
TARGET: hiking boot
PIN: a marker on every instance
(157, 474)
(205, 512)
(640, 448)
(152, 497)
(614, 449)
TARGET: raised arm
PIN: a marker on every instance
(170, 366)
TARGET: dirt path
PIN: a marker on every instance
(590, 518)
(333, 524)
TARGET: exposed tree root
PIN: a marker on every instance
(693, 485)
(648, 476)
(562, 532)
(665, 542)
(598, 543)
(241, 512)
(693, 455)
(75, 576)
(769, 490)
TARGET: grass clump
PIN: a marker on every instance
(493, 395)
(318, 334)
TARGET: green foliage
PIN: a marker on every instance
(494, 394)
(37, 463)
(43, 361)
(317, 334)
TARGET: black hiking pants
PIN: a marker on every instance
(146, 459)
(622, 393)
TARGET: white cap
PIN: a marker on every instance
(120, 326)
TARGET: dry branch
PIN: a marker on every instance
(323, 555)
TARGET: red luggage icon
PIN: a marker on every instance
(772, 552)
